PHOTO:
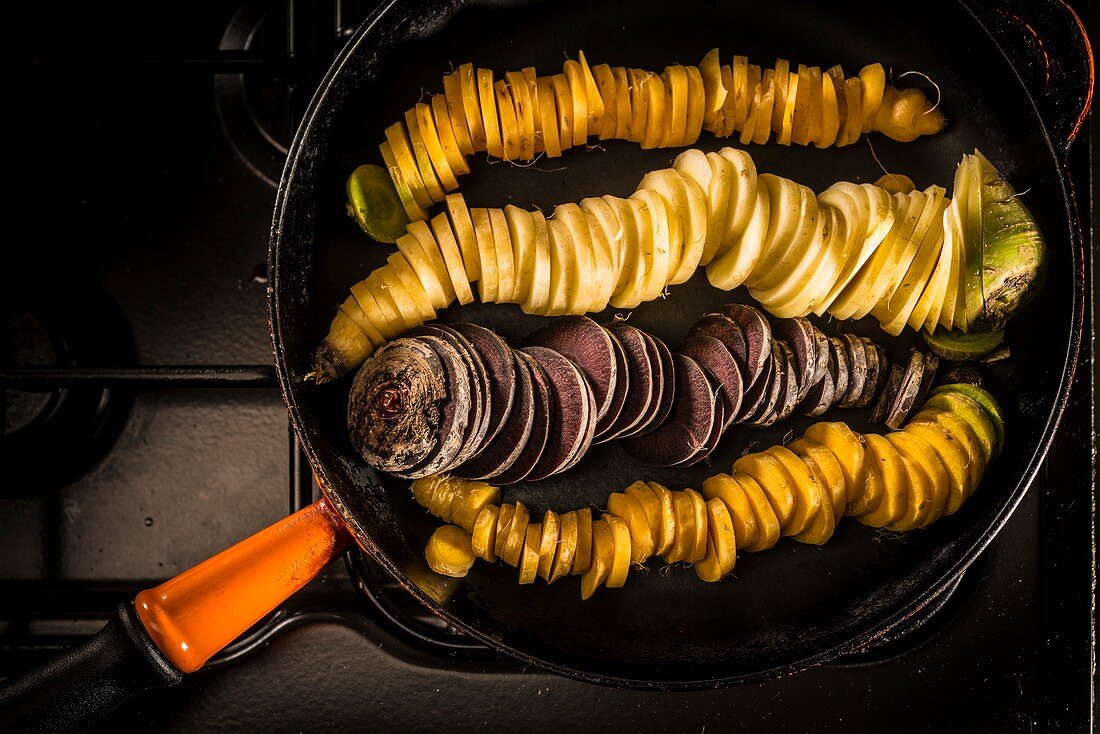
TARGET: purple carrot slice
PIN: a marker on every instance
(877, 372)
(713, 355)
(820, 397)
(618, 396)
(857, 373)
(792, 391)
(569, 411)
(589, 347)
(716, 428)
(664, 385)
(689, 425)
(504, 448)
(480, 405)
(589, 429)
(500, 365)
(540, 425)
(931, 365)
(757, 332)
(457, 431)
(823, 353)
(757, 394)
(798, 335)
(724, 329)
(641, 373)
(908, 391)
(776, 369)
(888, 394)
(839, 368)
(402, 408)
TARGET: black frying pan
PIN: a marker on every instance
(796, 605)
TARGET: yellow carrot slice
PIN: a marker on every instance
(578, 92)
(398, 138)
(506, 267)
(509, 127)
(563, 101)
(463, 228)
(452, 90)
(548, 116)
(447, 138)
(471, 105)
(424, 162)
(489, 119)
(441, 228)
(487, 255)
(525, 107)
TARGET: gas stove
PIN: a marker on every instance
(144, 431)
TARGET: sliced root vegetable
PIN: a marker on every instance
(908, 391)
(959, 347)
(449, 551)
(723, 328)
(506, 266)
(629, 508)
(522, 115)
(904, 480)
(854, 250)
(589, 347)
(714, 356)
(567, 546)
(688, 428)
(768, 474)
(571, 407)
(529, 553)
(456, 110)
(500, 367)
(603, 553)
(641, 374)
(532, 449)
(578, 93)
(521, 234)
(582, 559)
(548, 543)
(452, 258)
(1011, 253)
(893, 483)
(728, 491)
(593, 266)
(878, 370)
(511, 134)
(538, 298)
(480, 397)
(397, 415)
(987, 403)
(502, 448)
(483, 537)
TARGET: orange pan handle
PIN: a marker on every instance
(174, 628)
(196, 614)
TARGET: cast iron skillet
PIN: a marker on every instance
(784, 610)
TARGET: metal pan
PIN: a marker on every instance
(785, 610)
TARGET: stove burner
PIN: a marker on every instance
(254, 108)
(53, 434)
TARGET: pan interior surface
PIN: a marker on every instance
(781, 610)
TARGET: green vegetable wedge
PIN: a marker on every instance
(373, 203)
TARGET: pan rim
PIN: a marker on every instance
(964, 557)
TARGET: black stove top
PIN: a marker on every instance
(149, 140)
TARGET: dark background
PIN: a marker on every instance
(134, 166)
